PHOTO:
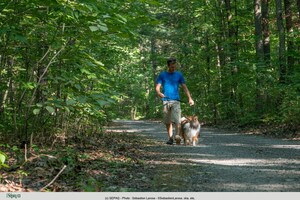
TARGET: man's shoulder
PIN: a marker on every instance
(178, 73)
(163, 73)
(167, 74)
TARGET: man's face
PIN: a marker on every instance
(172, 67)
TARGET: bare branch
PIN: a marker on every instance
(64, 167)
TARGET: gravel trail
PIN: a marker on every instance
(222, 162)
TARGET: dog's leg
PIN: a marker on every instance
(197, 136)
(195, 140)
(184, 136)
(188, 142)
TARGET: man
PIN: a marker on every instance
(171, 80)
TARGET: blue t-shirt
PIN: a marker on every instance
(170, 83)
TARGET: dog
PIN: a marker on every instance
(190, 130)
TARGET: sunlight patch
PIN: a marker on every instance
(286, 146)
(247, 162)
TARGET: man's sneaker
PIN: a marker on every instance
(170, 141)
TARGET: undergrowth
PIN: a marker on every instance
(107, 161)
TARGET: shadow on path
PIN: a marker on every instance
(223, 161)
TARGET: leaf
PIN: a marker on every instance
(106, 16)
(5, 165)
(77, 86)
(50, 109)
(121, 18)
(2, 158)
(92, 76)
(97, 62)
(82, 99)
(20, 38)
(85, 71)
(39, 105)
(103, 27)
(98, 96)
(67, 109)
(29, 85)
(36, 111)
(94, 28)
(102, 102)
(70, 102)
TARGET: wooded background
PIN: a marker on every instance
(69, 66)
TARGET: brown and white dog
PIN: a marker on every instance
(190, 130)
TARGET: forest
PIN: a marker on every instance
(70, 67)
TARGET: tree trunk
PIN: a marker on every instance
(232, 32)
(298, 27)
(281, 53)
(147, 87)
(232, 53)
(259, 54)
(258, 30)
(154, 62)
(221, 37)
(133, 112)
(290, 43)
(266, 32)
(221, 57)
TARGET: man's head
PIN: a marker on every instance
(171, 64)
(171, 61)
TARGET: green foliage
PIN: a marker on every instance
(291, 106)
(3, 158)
(90, 185)
(64, 55)
(64, 63)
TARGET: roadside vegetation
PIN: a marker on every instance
(68, 68)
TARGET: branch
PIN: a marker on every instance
(64, 167)
(45, 71)
(44, 55)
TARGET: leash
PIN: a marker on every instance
(194, 109)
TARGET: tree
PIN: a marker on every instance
(266, 32)
(289, 37)
(281, 48)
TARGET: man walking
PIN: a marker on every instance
(171, 80)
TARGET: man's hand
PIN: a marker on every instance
(157, 89)
(161, 95)
(187, 92)
(191, 102)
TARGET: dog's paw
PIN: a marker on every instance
(178, 139)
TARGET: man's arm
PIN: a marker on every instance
(157, 89)
(188, 94)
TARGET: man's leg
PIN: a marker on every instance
(170, 133)
(169, 130)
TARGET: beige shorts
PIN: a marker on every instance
(172, 112)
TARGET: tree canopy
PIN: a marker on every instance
(70, 66)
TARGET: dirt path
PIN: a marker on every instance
(223, 161)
